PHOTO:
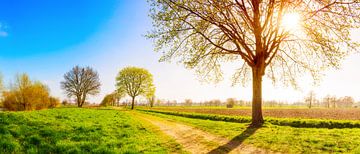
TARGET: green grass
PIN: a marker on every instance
(74, 130)
(280, 138)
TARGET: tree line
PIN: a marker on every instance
(79, 83)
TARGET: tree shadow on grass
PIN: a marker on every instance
(235, 142)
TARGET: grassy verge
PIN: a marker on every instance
(73, 130)
(280, 138)
(301, 123)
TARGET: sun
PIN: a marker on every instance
(290, 21)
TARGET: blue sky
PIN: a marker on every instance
(47, 38)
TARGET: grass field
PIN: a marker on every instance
(114, 130)
(282, 112)
(284, 139)
(73, 130)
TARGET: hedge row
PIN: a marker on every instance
(299, 123)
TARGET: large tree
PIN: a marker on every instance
(135, 82)
(80, 82)
(203, 34)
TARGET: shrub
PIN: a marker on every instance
(28, 95)
(230, 102)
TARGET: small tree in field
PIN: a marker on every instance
(150, 96)
(310, 99)
(261, 35)
(230, 102)
(81, 82)
(188, 102)
(135, 82)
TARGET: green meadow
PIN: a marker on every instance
(77, 130)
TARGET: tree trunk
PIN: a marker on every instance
(83, 100)
(132, 103)
(78, 100)
(257, 118)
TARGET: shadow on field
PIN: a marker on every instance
(235, 142)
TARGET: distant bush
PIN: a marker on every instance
(230, 102)
(300, 123)
(54, 102)
(65, 102)
(28, 95)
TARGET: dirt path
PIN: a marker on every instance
(197, 141)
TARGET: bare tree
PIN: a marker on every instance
(310, 99)
(203, 34)
(80, 82)
(327, 101)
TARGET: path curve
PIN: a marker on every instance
(197, 141)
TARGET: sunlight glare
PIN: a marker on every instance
(290, 21)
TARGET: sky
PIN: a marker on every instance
(45, 39)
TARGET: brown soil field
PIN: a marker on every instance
(336, 114)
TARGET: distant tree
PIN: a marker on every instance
(112, 99)
(135, 82)
(159, 102)
(333, 101)
(1, 90)
(1, 83)
(327, 101)
(64, 102)
(26, 94)
(188, 102)
(203, 34)
(346, 101)
(109, 99)
(81, 82)
(310, 99)
(54, 102)
(230, 102)
(217, 102)
(150, 96)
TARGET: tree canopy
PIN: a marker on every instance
(135, 82)
(205, 34)
(81, 82)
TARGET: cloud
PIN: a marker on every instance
(3, 34)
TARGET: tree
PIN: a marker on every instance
(205, 34)
(134, 81)
(109, 99)
(327, 101)
(1, 90)
(54, 102)
(112, 99)
(64, 102)
(150, 95)
(188, 102)
(80, 82)
(346, 101)
(310, 98)
(230, 102)
(26, 94)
